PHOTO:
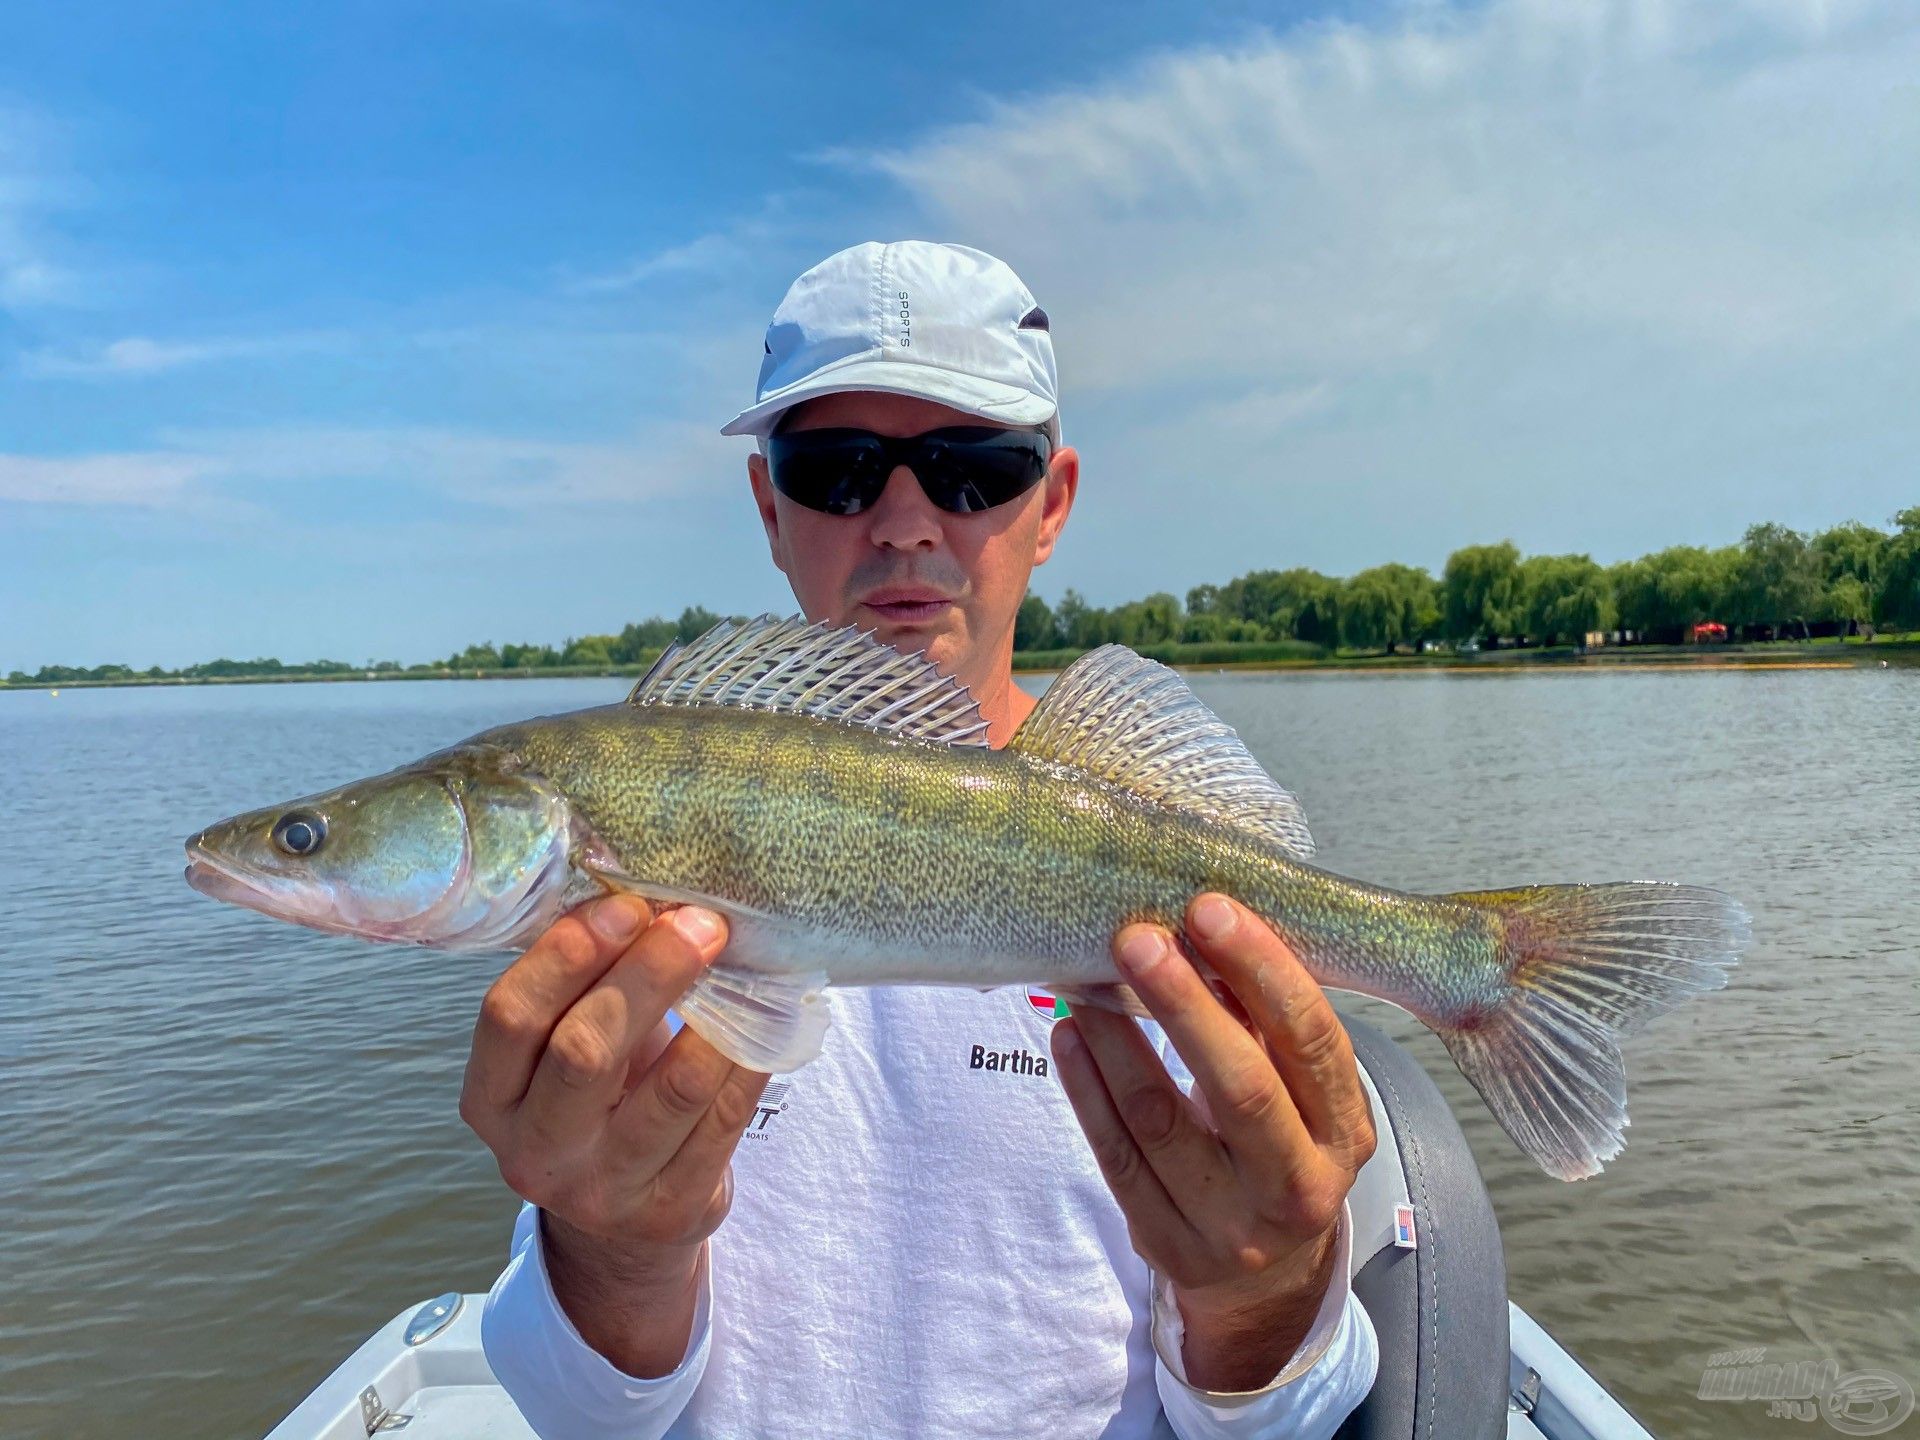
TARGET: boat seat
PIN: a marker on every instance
(1440, 1307)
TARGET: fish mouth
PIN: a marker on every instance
(222, 878)
(456, 919)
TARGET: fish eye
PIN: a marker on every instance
(299, 833)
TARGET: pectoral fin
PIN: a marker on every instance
(764, 1021)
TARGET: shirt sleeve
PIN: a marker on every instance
(565, 1388)
(1324, 1382)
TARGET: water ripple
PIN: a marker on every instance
(228, 1149)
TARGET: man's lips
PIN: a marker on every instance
(907, 605)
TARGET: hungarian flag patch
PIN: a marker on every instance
(1046, 1004)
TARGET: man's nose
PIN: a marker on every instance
(903, 517)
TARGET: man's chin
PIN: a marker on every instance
(934, 634)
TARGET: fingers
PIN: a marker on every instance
(1135, 1184)
(593, 1108)
(668, 1100)
(583, 1072)
(1307, 1042)
(1245, 1096)
(524, 1005)
(673, 1137)
(1183, 1149)
(705, 1153)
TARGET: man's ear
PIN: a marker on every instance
(1063, 483)
(763, 500)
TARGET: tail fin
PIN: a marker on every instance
(1586, 965)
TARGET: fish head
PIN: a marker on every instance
(465, 850)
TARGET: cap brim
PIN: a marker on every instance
(989, 399)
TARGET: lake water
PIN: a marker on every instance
(229, 1149)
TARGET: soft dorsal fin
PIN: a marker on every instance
(829, 672)
(1134, 723)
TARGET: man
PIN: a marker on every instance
(910, 1236)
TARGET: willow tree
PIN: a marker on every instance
(1562, 597)
(1480, 592)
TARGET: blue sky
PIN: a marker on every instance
(370, 330)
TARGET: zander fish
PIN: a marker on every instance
(837, 801)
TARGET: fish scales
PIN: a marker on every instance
(836, 801)
(901, 861)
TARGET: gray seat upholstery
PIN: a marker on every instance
(1439, 1309)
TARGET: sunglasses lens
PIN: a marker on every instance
(969, 471)
(962, 470)
(837, 472)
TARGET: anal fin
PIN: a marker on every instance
(773, 1022)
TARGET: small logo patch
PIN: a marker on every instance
(773, 1104)
(1046, 1005)
(1403, 1231)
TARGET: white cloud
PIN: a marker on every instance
(142, 479)
(1262, 412)
(732, 255)
(1597, 274)
(735, 250)
(510, 472)
(28, 274)
(1726, 176)
(489, 469)
(718, 250)
(137, 355)
(25, 280)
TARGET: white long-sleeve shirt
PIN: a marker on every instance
(920, 1245)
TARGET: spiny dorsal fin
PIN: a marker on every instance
(826, 671)
(1133, 722)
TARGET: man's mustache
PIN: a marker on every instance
(935, 572)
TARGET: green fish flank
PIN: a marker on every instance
(835, 801)
(964, 866)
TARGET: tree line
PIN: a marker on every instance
(1775, 583)
(638, 642)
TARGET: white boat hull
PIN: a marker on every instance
(441, 1388)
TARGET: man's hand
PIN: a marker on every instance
(620, 1131)
(1234, 1195)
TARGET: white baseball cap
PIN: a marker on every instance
(915, 317)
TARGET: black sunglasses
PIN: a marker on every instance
(963, 469)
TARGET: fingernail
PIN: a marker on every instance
(700, 927)
(1213, 918)
(615, 918)
(1141, 949)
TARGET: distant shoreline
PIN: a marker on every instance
(1828, 654)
